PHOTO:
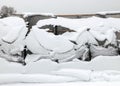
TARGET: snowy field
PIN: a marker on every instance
(68, 84)
(47, 49)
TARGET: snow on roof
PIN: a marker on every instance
(108, 12)
(26, 14)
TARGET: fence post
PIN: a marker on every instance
(56, 30)
(24, 52)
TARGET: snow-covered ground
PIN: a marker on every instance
(68, 84)
(46, 71)
(47, 47)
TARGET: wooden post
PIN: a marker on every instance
(24, 52)
(56, 30)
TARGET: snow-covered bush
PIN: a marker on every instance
(12, 35)
(102, 51)
(54, 47)
(82, 52)
(101, 41)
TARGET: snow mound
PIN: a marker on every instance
(13, 21)
(56, 46)
(56, 43)
(85, 37)
(12, 35)
(95, 33)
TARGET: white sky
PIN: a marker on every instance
(63, 6)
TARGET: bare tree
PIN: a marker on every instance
(11, 11)
(7, 11)
(4, 11)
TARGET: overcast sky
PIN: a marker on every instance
(63, 6)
